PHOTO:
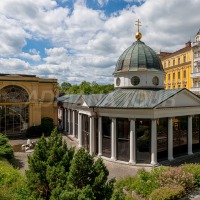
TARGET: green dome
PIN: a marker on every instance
(139, 57)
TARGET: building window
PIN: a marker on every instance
(164, 64)
(155, 80)
(173, 62)
(173, 75)
(179, 75)
(135, 80)
(13, 93)
(184, 59)
(179, 61)
(168, 77)
(184, 74)
(168, 63)
(118, 81)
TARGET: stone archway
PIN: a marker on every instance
(14, 110)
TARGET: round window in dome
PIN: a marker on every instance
(135, 80)
(118, 81)
(155, 80)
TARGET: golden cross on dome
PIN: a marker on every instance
(138, 24)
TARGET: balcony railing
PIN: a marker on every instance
(195, 75)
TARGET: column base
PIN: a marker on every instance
(80, 145)
(171, 159)
(99, 154)
(190, 153)
(153, 163)
(114, 159)
(132, 162)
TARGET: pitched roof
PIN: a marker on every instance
(135, 98)
(91, 99)
(125, 98)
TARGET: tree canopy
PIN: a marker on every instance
(85, 88)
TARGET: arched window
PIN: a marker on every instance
(13, 93)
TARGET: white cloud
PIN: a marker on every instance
(102, 2)
(13, 65)
(56, 56)
(28, 56)
(85, 44)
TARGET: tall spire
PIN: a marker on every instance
(138, 35)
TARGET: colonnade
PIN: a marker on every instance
(68, 113)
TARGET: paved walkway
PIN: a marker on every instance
(117, 170)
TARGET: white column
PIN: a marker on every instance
(91, 135)
(170, 139)
(80, 130)
(153, 142)
(73, 131)
(113, 139)
(65, 120)
(190, 135)
(132, 142)
(69, 121)
(100, 136)
(62, 113)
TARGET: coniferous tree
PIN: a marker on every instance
(49, 166)
(88, 178)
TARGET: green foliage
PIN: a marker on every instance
(84, 173)
(45, 128)
(47, 125)
(5, 148)
(64, 86)
(86, 88)
(49, 166)
(143, 183)
(193, 169)
(12, 183)
(34, 131)
(170, 192)
(118, 195)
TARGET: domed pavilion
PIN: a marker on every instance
(140, 121)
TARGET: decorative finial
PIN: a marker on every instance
(138, 35)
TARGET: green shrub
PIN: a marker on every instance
(34, 131)
(125, 182)
(193, 169)
(176, 176)
(11, 181)
(170, 192)
(47, 125)
(5, 148)
(145, 183)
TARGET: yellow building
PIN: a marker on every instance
(24, 100)
(177, 66)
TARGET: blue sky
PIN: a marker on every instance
(76, 40)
